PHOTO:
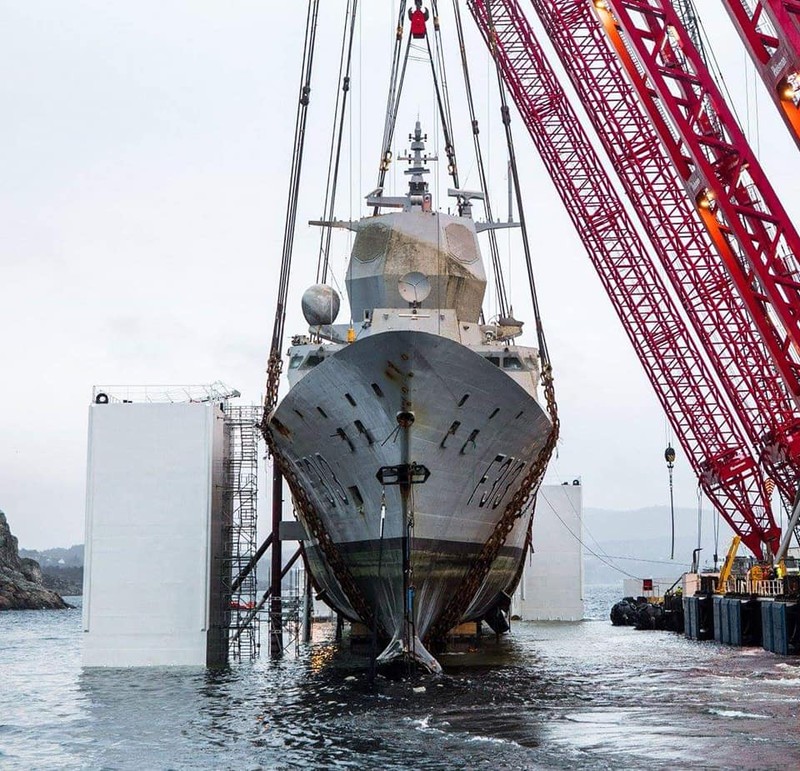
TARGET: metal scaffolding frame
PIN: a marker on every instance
(241, 504)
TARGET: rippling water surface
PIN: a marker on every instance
(551, 696)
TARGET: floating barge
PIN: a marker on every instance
(746, 613)
(741, 608)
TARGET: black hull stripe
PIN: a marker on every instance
(424, 546)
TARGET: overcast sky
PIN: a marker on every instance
(145, 151)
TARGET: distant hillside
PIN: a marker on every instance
(68, 582)
(638, 542)
(71, 557)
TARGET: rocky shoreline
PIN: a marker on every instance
(21, 581)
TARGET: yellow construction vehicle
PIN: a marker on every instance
(727, 566)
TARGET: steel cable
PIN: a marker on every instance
(274, 365)
(494, 250)
(336, 140)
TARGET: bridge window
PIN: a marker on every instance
(313, 360)
(512, 362)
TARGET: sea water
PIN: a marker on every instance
(549, 696)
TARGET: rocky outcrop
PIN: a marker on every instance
(68, 582)
(21, 585)
(62, 568)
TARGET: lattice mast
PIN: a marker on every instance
(770, 31)
(718, 451)
(642, 156)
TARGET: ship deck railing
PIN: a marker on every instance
(773, 587)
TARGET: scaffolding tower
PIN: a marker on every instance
(294, 617)
(241, 502)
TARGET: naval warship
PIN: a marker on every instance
(411, 438)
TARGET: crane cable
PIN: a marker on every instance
(587, 547)
(345, 64)
(526, 247)
(669, 457)
(274, 365)
(476, 574)
(393, 97)
(396, 83)
(442, 94)
(500, 288)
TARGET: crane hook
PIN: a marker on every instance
(669, 457)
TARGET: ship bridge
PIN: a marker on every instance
(441, 247)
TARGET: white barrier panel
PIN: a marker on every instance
(154, 527)
(551, 588)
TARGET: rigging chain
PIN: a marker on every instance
(327, 546)
(303, 502)
(476, 574)
(274, 365)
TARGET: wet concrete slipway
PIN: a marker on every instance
(552, 696)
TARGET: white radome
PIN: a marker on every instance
(320, 305)
(414, 287)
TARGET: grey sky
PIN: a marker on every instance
(145, 151)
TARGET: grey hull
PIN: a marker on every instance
(475, 429)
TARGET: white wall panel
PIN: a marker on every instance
(551, 588)
(150, 504)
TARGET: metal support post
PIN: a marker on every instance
(404, 476)
(276, 609)
(308, 608)
(405, 420)
(339, 627)
(791, 529)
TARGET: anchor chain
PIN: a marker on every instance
(476, 575)
(274, 369)
(324, 541)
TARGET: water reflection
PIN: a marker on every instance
(551, 696)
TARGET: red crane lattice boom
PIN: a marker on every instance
(770, 31)
(643, 157)
(737, 202)
(720, 455)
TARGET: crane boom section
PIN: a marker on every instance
(770, 31)
(641, 149)
(727, 565)
(727, 180)
(719, 454)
